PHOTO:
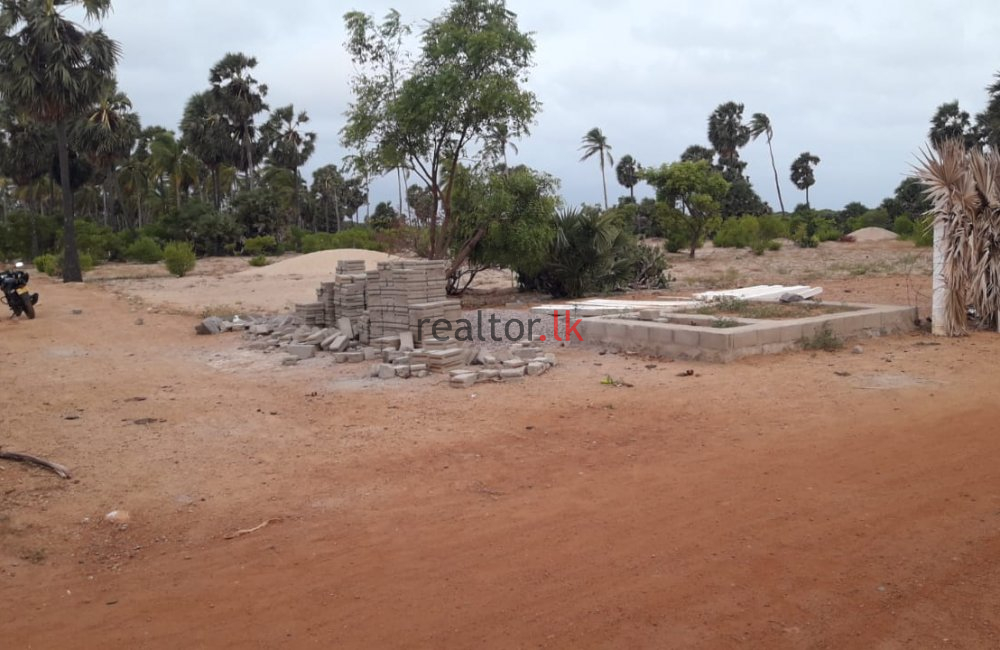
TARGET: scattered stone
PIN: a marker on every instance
(77, 312)
(139, 321)
(211, 325)
(302, 351)
(403, 372)
(290, 361)
(117, 517)
(534, 369)
(464, 380)
(386, 371)
(858, 350)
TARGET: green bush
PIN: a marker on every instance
(923, 232)
(903, 226)
(803, 239)
(258, 260)
(774, 246)
(351, 238)
(47, 264)
(258, 246)
(179, 258)
(86, 262)
(144, 250)
(755, 233)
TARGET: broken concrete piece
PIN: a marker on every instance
(301, 350)
(386, 371)
(512, 373)
(345, 327)
(515, 363)
(534, 369)
(339, 344)
(403, 372)
(465, 380)
(406, 342)
(290, 361)
(211, 325)
(370, 354)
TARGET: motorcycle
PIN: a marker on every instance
(15, 292)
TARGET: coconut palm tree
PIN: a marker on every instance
(242, 99)
(595, 142)
(760, 124)
(106, 135)
(52, 69)
(802, 172)
(290, 146)
(168, 157)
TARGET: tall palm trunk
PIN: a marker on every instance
(604, 182)
(249, 150)
(298, 201)
(777, 184)
(71, 259)
(216, 188)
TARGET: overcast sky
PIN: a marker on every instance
(854, 83)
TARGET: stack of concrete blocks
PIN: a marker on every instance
(403, 293)
(443, 355)
(349, 290)
(326, 295)
(513, 364)
(313, 314)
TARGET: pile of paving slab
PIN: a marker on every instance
(375, 317)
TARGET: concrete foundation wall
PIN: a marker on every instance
(678, 339)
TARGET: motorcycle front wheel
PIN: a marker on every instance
(29, 308)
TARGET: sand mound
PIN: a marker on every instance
(319, 263)
(874, 234)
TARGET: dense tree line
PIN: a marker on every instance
(84, 178)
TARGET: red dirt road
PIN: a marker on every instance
(769, 503)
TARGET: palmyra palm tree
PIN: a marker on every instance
(596, 142)
(52, 70)
(760, 124)
(964, 188)
(290, 145)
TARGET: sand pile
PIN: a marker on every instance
(874, 234)
(320, 263)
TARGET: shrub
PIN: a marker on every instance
(179, 258)
(258, 260)
(824, 340)
(923, 232)
(144, 250)
(86, 262)
(47, 264)
(351, 238)
(258, 246)
(774, 245)
(903, 226)
(755, 233)
(803, 239)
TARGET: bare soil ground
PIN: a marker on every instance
(806, 500)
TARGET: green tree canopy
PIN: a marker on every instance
(694, 191)
(52, 70)
(627, 171)
(595, 143)
(464, 88)
(802, 173)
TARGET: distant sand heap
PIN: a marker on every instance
(874, 234)
(320, 263)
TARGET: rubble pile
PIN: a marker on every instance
(385, 316)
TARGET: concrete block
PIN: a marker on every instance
(515, 363)
(467, 380)
(406, 342)
(301, 351)
(371, 354)
(318, 337)
(790, 332)
(637, 335)
(386, 371)
(487, 375)
(687, 336)
(211, 325)
(339, 344)
(745, 337)
(345, 327)
(659, 335)
(512, 374)
(354, 357)
(290, 361)
(719, 340)
(403, 372)
(418, 367)
(593, 330)
(534, 369)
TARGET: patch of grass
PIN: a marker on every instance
(221, 311)
(728, 279)
(738, 308)
(259, 260)
(824, 340)
(723, 323)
